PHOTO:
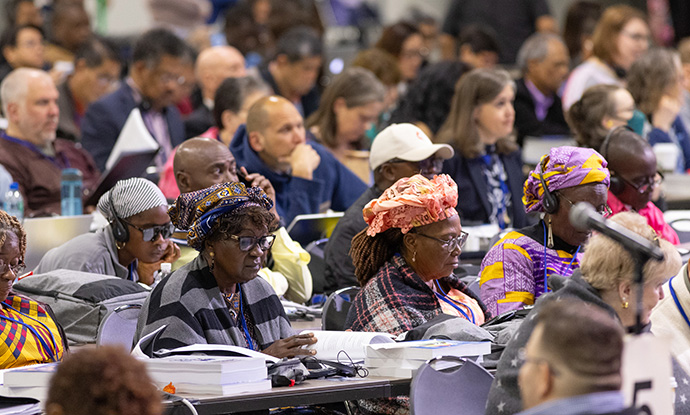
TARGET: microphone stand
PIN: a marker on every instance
(640, 259)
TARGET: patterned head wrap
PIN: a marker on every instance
(564, 167)
(197, 212)
(130, 197)
(411, 202)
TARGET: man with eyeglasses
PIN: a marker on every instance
(200, 163)
(96, 73)
(634, 178)
(22, 47)
(134, 244)
(160, 61)
(400, 150)
(572, 362)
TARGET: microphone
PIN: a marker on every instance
(583, 216)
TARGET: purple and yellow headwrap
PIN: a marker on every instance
(411, 202)
(564, 167)
(197, 212)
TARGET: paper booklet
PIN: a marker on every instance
(134, 138)
(206, 370)
(427, 349)
(201, 349)
(330, 343)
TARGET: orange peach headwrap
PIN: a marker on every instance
(411, 202)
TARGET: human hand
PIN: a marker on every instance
(292, 346)
(304, 160)
(666, 112)
(147, 270)
(257, 180)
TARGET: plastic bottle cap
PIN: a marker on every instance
(14, 186)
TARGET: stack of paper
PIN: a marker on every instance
(28, 381)
(210, 375)
(404, 358)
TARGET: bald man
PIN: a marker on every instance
(202, 162)
(29, 149)
(212, 66)
(634, 178)
(307, 178)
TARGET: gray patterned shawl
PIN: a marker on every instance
(190, 303)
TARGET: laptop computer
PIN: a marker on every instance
(128, 166)
(312, 227)
(44, 234)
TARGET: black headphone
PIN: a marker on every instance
(615, 186)
(550, 200)
(119, 228)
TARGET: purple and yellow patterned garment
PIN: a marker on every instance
(197, 212)
(512, 273)
(20, 345)
(564, 167)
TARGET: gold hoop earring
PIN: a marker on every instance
(414, 256)
(212, 265)
(120, 245)
(625, 304)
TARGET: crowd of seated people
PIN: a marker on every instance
(265, 126)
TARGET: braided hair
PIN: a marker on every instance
(9, 223)
(370, 253)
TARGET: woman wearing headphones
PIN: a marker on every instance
(516, 269)
(134, 244)
(634, 178)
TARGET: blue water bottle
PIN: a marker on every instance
(71, 192)
(13, 202)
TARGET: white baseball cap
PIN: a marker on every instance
(405, 142)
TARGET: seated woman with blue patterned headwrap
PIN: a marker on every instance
(516, 269)
(216, 298)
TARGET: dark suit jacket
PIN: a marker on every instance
(526, 122)
(105, 118)
(473, 202)
(198, 122)
(67, 127)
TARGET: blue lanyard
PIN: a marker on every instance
(130, 268)
(244, 322)
(47, 348)
(32, 147)
(546, 289)
(675, 300)
(452, 302)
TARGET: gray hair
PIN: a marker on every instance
(535, 48)
(15, 86)
(130, 197)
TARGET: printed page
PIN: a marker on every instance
(134, 138)
(352, 342)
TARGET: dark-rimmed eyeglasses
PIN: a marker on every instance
(450, 245)
(523, 358)
(152, 233)
(247, 243)
(604, 210)
(431, 165)
(647, 185)
(6, 267)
